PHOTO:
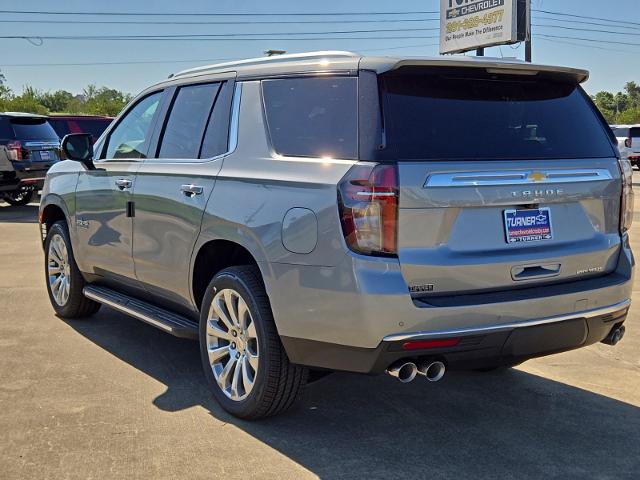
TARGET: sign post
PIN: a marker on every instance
(475, 24)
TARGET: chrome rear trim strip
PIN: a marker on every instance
(426, 335)
(516, 177)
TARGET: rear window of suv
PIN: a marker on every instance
(449, 117)
(313, 117)
(33, 129)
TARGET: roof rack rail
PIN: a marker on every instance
(267, 60)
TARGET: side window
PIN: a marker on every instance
(216, 138)
(313, 117)
(186, 123)
(129, 138)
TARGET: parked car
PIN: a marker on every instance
(329, 211)
(628, 137)
(92, 124)
(28, 147)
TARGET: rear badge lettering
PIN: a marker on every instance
(590, 270)
(547, 192)
(421, 288)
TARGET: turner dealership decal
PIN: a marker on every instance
(470, 24)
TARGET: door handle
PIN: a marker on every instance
(525, 272)
(123, 183)
(191, 190)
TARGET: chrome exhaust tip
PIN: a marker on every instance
(614, 336)
(403, 371)
(433, 371)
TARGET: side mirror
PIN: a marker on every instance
(79, 147)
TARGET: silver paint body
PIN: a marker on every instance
(283, 210)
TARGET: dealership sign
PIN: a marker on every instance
(470, 24)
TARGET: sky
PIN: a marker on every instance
(52, 64)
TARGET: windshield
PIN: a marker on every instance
(33, 129)
(448, 117)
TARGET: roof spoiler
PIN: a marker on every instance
(495, 66)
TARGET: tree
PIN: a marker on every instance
(28, 101)
(104, 101)
(58, 101)
(5, 91)
(633, 91)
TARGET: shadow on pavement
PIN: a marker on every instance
(25, 214)
(496, 425)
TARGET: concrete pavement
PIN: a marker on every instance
(111, 397)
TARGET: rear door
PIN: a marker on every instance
(104, 221)
(172, 187)
(505, 181)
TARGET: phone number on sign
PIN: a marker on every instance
(477, 21)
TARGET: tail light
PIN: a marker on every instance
(626, 197)
(628, 142)
(368, 207)
(16, 152)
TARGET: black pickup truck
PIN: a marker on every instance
(28, 147)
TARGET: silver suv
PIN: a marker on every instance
(329, 211)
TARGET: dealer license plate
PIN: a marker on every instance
(529, 225)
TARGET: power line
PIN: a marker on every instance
(132, 62)
(544, 35)
(226, 14)
(584, 16)
(576, 44)
(232, 22)
(210, 39)
(194, 60)
(586, 29)
(580, 22)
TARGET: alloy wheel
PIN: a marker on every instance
(59, 270)
(232, 344)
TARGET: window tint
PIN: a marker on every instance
(216, 138)
(621, 132)
(93, 126)
(187, 121)
(635, 132)
(60, 126)
(129, 139)
(456, 117)
(6, 132)
(313, 117)
(33, 129)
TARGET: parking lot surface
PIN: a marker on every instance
(111, 397)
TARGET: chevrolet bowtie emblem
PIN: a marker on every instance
(453, 13)
(537, 176)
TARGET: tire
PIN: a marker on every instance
(253, 341)
(73, 303)
(18, 198)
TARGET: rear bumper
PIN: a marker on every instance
(488, 346)
(22, 175)
(353, 316)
